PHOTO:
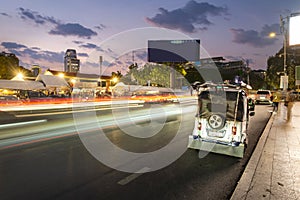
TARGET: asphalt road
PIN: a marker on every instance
(63, 166)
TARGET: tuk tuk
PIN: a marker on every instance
(221, 121)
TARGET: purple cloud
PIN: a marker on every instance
(65, 29)
(74, 30)
(254, 38)
(190, 18)
(27, 14)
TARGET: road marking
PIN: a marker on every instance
(131, 177)
(22, 123)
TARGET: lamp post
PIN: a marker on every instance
(283, 31)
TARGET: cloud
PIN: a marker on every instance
(5, 14)
(83, 55)
(65, 29)
(254, 38)
(36, 48)
(89, 46)
(100, 27)
(190, 18)
(77, 42)
(73, 29)
(27, 14)
(34, 53)
(12, 45)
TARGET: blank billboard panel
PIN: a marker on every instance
(294, 30)
(160, 51)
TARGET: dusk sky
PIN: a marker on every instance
(39, 31)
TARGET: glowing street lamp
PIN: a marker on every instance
(272, 34)
(20, 76)
(115, 80)
(73, 81)
(61, 75)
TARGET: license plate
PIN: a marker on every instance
(262, 97)
(216, 134)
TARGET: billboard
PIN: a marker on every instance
(294, 30)
(160, 51)
(284, 81)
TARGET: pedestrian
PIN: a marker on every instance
(289, 102)
(276, 99)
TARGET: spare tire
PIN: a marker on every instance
(216, 121)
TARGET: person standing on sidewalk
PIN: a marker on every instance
(276, 100)
(289, 102)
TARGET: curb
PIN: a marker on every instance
(243, 186)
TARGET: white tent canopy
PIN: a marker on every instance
(52, 81)
(21, 85)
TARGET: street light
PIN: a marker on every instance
(115, 80)
(289, 29)
(61, 75)
(283, 31)
(20, 76)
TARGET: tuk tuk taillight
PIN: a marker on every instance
(199, 126)
(233, 130)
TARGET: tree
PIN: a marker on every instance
(9, 65)
(155, 73)
(275, 67)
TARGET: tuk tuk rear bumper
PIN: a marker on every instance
(216, 147)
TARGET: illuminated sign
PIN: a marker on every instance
(294, 30)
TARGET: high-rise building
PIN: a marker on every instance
(71, 63)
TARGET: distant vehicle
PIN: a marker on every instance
(221, 121)
(10, 100)
(263, 97)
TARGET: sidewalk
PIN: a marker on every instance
(273, 171)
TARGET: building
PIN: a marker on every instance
(71, 63)
(36, 70)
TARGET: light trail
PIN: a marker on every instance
(21, 123)
(75, 111)
(51, 131)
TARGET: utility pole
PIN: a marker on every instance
(100, 63)
(248, 71)
(284, 33)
